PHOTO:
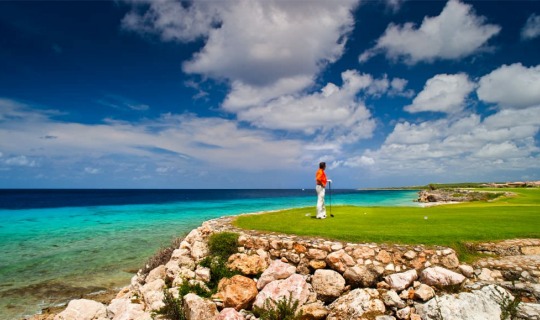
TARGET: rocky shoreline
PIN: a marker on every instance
(333, 280)
(448, 196)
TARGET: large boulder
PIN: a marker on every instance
(478, 304)
(339, 261)
(247, 264)
(294, 287)
(438, 276)
(230, 314)
(199, 250)
(124, 309)
(237, 292)
(276, 271)
(197, 308)
(157, 273)
(424, 292)
(360, 276)
(355, 304)
(153, 294)
(530, 311)
(400, 281)
(83, 309)
(328, 284)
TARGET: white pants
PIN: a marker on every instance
(321, 209)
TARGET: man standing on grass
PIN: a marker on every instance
(320, 178)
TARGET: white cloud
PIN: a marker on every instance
(173, 140)
(511, 86)
(243, 96)
(361, 161)
(90, 170)
(456, 33)
(443, 93)
(531, 29)
(261, 42)
(333, 112)
(466, 147)
(172, 20)
(263, 48)
(20, 161)
(394, 5)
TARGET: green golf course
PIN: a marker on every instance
(447, 225)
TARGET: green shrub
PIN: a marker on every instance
(218, 270)
(283, 309)
(223, 244)
(173, 308)
(196, 288)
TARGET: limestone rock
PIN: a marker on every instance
(276, 271)
(385, 317)
(203, 274)
(317, 254)
(282, 289)
(172, 269)
(529, 311)
(400, 281)
(531, 250)
(478, 304)
(363, 252)
(424, 292)
(328, 284)
(317, 264)
(339, 261)
(230, 314)
(361, 276)
(450, 261)
(355, 304)
(157, 273)
(124, 309)
(193, 235)
(247, 264)
(438, 276)
(391, 299)
(83, 309)
(197, 308)
(153, 294)
(199, 250)
(409, 255)
(404, 313)
(384, 257)
(183, 274)
(314, 311)
(237, 292)
(466, 270)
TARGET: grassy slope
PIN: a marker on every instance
(517, 217)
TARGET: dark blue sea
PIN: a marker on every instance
(58, 244)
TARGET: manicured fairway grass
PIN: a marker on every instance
(447, 225)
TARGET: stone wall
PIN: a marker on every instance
(330, 280)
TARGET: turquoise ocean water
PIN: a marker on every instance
(51, 253)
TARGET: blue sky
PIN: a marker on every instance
(254, 93)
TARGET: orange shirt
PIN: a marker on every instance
(320, 177)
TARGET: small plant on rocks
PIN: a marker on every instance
(218, 270)
(509, 305)
(223, 244)
(283, 309)
(173, 308)
(196, 288)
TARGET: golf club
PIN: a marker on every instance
(330, 198)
